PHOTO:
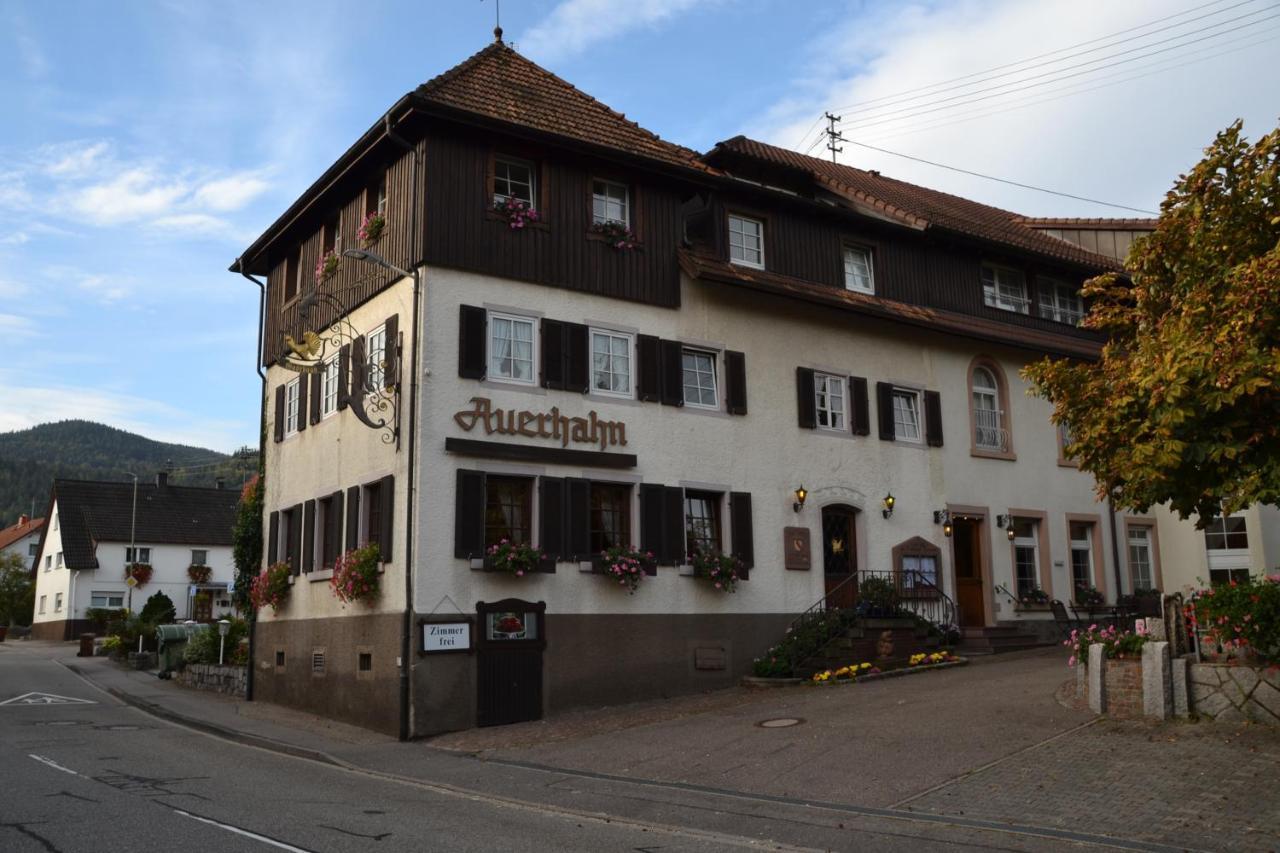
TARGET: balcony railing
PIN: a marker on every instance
(988, 432)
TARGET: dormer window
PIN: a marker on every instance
(513, 179)
(1060, 302)
(1005, 288)
(610, 202)
(746, 241)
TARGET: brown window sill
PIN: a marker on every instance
(1006, 455)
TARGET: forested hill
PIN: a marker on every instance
(31, 458)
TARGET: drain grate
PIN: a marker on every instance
(780, 723)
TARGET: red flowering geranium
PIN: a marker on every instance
(271, 587)
(355, 574)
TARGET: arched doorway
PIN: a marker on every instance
(839, 553)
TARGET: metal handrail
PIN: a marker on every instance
(1004, 590)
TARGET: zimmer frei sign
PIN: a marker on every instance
(563, 428)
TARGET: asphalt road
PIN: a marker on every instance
(95, 775)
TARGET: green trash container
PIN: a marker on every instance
(171, 642)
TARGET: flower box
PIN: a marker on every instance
(199, 574)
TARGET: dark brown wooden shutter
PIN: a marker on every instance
(279, 412)
(468, 515)
(648, 368)
(806, 404)
(578, 518)
(740, 530)
(359, 370)
(472, 346)
(577, 358)
(933, 418)
(672, 373)
(295, 539)
(651, 505)
(334, 523)
(273, 538)
(861, 420)
(303, 383)
(551, 519)
(317, 393)
(391, 352)
(884, 409)
(387, 517)
(552, 334)
(673, 525)
(735, 382)
(353, 518)
(308, 535)
(344, 371)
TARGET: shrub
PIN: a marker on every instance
(877, 597)
(355, 574)
(1240, 615)
(106, 620)
(159, 610)
(203, 645)
(17, 592)
(801, 642)
(246, 537)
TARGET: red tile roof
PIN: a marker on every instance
(915, 205)
(1090, 223)
(15, 532)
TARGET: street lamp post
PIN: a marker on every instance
(224, 627)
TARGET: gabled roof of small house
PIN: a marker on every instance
(24, 528)
(91, 511)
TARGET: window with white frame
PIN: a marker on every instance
(58, 560)
(43, 600)
(57, 602)
(329, 388)
(1026, 555)
(611, 363)
(919, 571)
(1060, 302)
(48, 562)
(1005, 288)
(746, 241)
(906, 415)
(1227, 533)
(1081, 557)
(1140, 559)
(610, 202)
(106, 599)
(857, 270)
(143, 555)
(513, 179)
(988, 418)
(829, 401)
(700, 379)
(376, 358)
(291, 406)
(199, 557)
(511, 349)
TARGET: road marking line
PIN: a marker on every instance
(51, 763)
(246, 833)
(43, 700)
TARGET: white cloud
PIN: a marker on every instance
(73, 158)
(199, 225)
(232, 192)
(129, 196)
(14, 326)
(575, 25)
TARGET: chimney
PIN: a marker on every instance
(219, 483)
(23, 519)
(162, 479)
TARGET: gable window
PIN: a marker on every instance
(106, 599)
(293, 275)
(1081, 556)
(291, 407)
(611, 363)
(1227, 533)
(906, 415)
(375, 197)
(1060, 302)
(700, 379)
(513, 179)
(988, 417)
(746, 241)
(143, 555)
(199, 557)
(857, 270)
(1005, 288)
(610, 516)
(829, 396)
(1140, 558)
(508, 510)
(702, 521)
(329, 388)
(58, 560)
(1026, 555)
(610, 202)
(511, 349)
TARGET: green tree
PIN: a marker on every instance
(1183, 407)
(159, 610)
(17, 592)
(247, 541)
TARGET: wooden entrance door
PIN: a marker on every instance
(839, 553)
(509, 661)
(966, 552)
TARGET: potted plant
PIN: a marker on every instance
(626, 566)
(327, 265)
(1089, 596)
(877, 597)
(355, 574)
(513, 558)
(517, 213)
(722, 570)
(372, 227)
(616, 234)
(140, 572)
(1033, 599)
(271, 587)
(199, 573)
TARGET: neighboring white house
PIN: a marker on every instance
(182, 533)
(22, 539)
(1232, 547)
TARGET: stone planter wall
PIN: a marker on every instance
(1232, 693)
(219, 679)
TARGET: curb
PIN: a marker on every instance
(235, 735)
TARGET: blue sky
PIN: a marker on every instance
(148, 143)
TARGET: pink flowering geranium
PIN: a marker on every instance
(616, 234)
(723, 570)
(355, 574)
(1239, 616)
(271, 587)
(1115, 643)
(327, 265)
(372, 227)
(517, 213)
(514, 558)
(625, 566)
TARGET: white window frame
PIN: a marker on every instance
(1060, 302)
(911, 566)
(138, 550)
(44, 602)
(500, 160)
(915, 396)
(607, 198)
(48, 562)
(375, 357)
(629, 343)
(714, 405)
(993, 412)
(742, 236)
(998, 282)
(291, 411)
(108, 596)
(850, 275)
(57, 602)
(1032, 542)
(204, 560)
(491, 366)
(329, 381)
(57, 560)
(1143, 543)
(1074, 545)
(380, 202)
(826, 387)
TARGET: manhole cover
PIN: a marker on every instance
(780, 723)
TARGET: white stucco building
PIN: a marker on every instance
(22, 538)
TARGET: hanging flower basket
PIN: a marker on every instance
(327, 265)
(514, 558)
(199, 574)
(616, 234)
(140, 572)
(624, 566)
(271, 587)
(517, 213)
(372, 227)
(355, 574)
(722, 570)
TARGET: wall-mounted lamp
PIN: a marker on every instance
(801, 494)
(1006, 521)
(888, 505)
(943, 517)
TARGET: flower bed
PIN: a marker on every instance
(1118, 644)
(857, 672)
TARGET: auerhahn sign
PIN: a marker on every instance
(552, 424)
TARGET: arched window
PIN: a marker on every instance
(989, 431)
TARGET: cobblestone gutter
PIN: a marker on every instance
(219, 679)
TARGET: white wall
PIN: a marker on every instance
(22, 547)
(52, 581)
(1185, 557)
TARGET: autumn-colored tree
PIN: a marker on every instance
(1183, 405)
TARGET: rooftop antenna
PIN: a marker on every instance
(497, 20)
(833, 136)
